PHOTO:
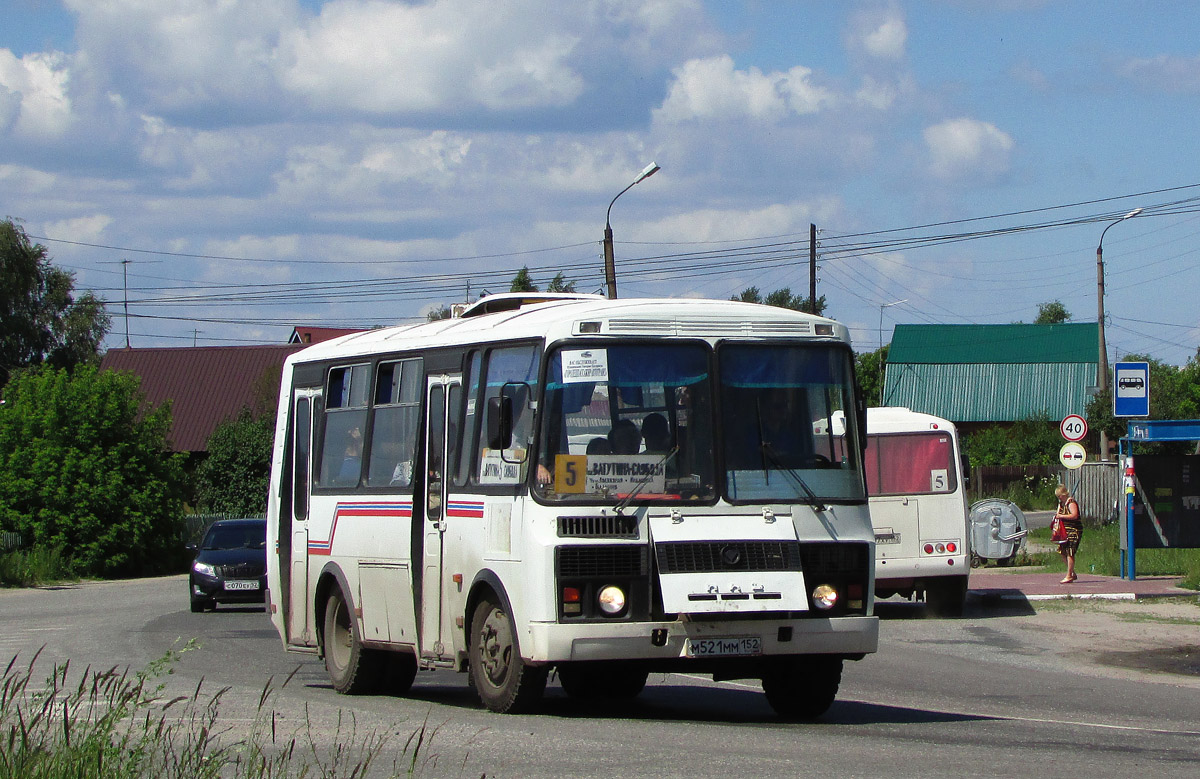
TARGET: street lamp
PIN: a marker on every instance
(1102, 365)
(610, 268)
(882, 306)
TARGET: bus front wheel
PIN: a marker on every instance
(800, 688)
(504, 682)
(353, 670)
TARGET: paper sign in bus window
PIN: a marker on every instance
(580, 365)
(621, 474)
(939, 480)
(496, 467)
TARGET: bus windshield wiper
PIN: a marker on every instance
(769, 453)
(637, 488)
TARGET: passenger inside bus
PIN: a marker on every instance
(624, 438)
(656, 433)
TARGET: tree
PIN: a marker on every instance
(85, 470)
(40, 320)
(522, 282)
(560, 284)
(868, 366)
(234, 477)
(438, 314)
(783, 298)
(1052, 313)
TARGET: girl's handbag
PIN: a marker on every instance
(1058, 531)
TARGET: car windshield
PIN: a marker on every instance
(235, 537)
(627, 421)
(788, 424)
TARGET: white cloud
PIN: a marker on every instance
(887, 41)
(879, 33)
(963, 147)
(83, 228)
(33, 95)
(713, 89)
(1164, 73)
(381, 57)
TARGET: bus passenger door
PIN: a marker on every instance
(437, 430)
(299, 604)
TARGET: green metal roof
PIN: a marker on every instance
(996, 392)
(1071, 342)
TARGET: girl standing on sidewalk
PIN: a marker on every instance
(1068, 515)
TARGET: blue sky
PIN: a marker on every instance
(267, 163)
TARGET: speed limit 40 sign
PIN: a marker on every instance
(1073, 427)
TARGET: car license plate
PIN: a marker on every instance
(742, 646)
(241, 584)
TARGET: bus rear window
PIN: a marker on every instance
(910, 464)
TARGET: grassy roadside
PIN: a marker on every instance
(1100, 553)
(114, 724)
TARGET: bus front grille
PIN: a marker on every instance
(611, 526)
(584, 561)
(712, 556)
(847, 560)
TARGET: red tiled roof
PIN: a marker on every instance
(315, 335)
(207, 384)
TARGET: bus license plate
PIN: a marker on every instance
(742, 646)
(242, 584)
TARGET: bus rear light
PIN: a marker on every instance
(928, 549)
(951, 547)
(940, 548)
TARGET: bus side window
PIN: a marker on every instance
(395, 426)
(345, 419)
(470, 393)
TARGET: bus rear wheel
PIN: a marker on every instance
(505, 683)
(946, 598)
(602, 680)
(353, 669)
(802, 688)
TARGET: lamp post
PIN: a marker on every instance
(610, 268)
(882, 306)
(1102, 365)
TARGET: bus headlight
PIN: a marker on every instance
(825, 596)
(611, 600)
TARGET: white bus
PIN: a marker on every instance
(599, 488)
(918, 508)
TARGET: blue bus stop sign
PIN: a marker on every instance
(1131, 390)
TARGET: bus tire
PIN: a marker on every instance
(353, 669)
(946, 597)
(607, 680)
(399, 672)
(503, 681)
(802, 688)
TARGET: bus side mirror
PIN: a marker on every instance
(500, 422)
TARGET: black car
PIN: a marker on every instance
(230, 564)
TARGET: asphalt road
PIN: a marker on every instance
(985, 695)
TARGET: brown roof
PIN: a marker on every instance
(207, 384)
(315, 335)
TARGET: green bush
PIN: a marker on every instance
(84, 471)
(1100, 553)
(233, 478)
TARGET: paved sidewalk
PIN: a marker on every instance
(1018, 584)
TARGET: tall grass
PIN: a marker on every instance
(37, 565)
(1100, 552)
(112, 724)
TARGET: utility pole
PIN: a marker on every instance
(125, 284)
(812, 268)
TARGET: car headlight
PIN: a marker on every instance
(611, 600)
(825, 596)
(204, 569)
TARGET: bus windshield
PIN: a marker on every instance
(780, 442)
(624, 421)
